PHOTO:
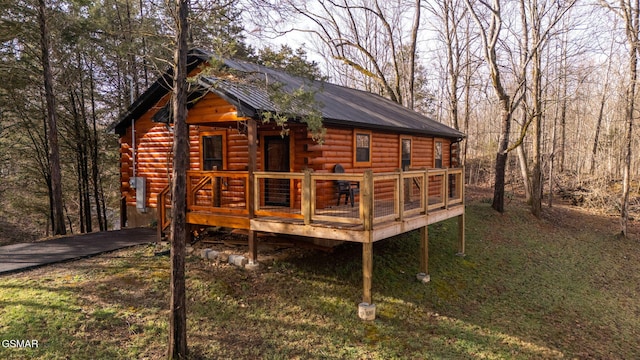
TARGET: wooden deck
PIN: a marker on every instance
(308, 204)
(344, 231)
(385, 204)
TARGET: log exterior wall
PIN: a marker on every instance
(154, 160)
(385, 151)
(212, 113)
(338, 148)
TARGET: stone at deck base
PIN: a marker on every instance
(424, 278)
(238, 260)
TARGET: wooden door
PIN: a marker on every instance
(276, 158)
(213, 154)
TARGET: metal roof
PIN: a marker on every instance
(339, 105)
(156, 91)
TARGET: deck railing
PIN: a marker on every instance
(164, 204)
(218, 192)
(370, 198)
(379, 197)
(327, 204)
(276, 194)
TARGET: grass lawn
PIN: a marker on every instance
(561, 287)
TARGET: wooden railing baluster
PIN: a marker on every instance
(163, 222)
(401, 190)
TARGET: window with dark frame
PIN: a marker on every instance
(406, 154)
(212, 153)
(438, 154)
(363, 148)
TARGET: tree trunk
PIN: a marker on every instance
(42, 159)
(596, 138)
(501, 156)
(412, 57)
(563, 103)
(524, 172)
(467, 91)
(626, 178)
(536, 75)
(552, 156)
(536, 171)
(81, 135)
(95, 162)
(81, 210)
(84, 145)
(59, 227)
(145, 65)
(78, 142)
(632, 28)
(178, 312)
(603, 101)
(489, 38)
(453, 60)
(563, 126)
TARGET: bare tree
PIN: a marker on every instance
(449, 15)
(537, 25)
(490, 35)
(59, 227)
(367, 37)
(469, 71)
(603, 101)
(629, 11)
(543, 17)
(178, 315)
(536, 13)
(412, 55)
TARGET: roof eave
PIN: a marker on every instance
(459, 136)
(243, 108)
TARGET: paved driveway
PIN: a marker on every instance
(18, 257)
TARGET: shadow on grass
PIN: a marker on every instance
(526, 289)
(306, 308)
(103, 307)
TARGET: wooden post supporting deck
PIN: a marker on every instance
(423, 276)
(461, 218)
(252, 137)
(367, 245)
(424, 250)
(367, 271)
(461, 234)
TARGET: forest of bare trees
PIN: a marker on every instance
(544, 90)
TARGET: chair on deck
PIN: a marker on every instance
(345, 187)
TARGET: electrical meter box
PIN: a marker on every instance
(139, 183)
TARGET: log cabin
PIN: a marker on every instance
(381, 169)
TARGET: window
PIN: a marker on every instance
(362, 144)
(212, 151)
(438, 154)
(405, 154)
